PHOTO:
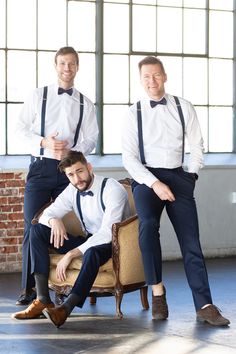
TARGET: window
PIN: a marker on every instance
(112, 36)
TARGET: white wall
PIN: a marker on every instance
(217, 214)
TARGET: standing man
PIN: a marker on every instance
(53, 120)
(85, 195)
(153, 152)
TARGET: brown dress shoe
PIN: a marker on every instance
(159, 307)
(26, 297)
(211, 314)
(33, 311)
(57, 315)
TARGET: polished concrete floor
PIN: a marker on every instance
(95, 329)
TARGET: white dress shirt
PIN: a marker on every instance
(162, 139)
(96, 221)
(62, 116)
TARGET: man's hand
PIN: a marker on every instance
(58, 232)
(163, 191)
(64, 263)
(57, 147)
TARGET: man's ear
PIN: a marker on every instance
(90, 168)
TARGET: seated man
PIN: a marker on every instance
(98, 203)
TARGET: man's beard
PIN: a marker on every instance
(87, 182)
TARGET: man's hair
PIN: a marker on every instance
(67, 50)
(70, 159)
(150, 60)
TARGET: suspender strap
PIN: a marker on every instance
(140, 129)
(101, 195)
(182, 122)
(101, 200)
(80, 119)
(43, 113)
(140, 133)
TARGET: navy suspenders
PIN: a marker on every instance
(43, 114)
(140, 129)
(101, 200)
(80, 119)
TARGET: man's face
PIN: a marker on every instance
(153, 80)
(80, 175)
(66, 68)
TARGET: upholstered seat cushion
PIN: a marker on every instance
(105, 277)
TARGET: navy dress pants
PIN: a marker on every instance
(93, 258)
(44, 182)
(183, 216)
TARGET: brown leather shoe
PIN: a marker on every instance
(57, 315)
(159, 307)
(33, 311)
(211, 314)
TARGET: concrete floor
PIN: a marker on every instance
(95, 329)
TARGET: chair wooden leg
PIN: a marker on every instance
(92, 300)
(119, 296)
(144, 298)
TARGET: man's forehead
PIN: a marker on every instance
(74, 167)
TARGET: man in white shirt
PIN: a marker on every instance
(53, 120)
(153, 151)
(97, 220)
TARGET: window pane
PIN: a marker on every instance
(81, 25)
(85, 78)
(52, 35)
(195, 4)
(170, 2)
(116, 28)
(202, 114)
(46, 70)
(195, 80)
(2, 130)
(220, 129)
(169, 40)
(194, 41)
(116, 79)
(173, 68)
(21, 27)
(112, 123)
(123, 1)
(2, 23)
(221, 5)
(221, 37)
(21, 73)
(220, 82)
(144, 28)
(12, 117)
(2, 75)
(136, 90)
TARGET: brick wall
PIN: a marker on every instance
(11, 220)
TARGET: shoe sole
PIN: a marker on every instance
(202, 320)
(47, 315)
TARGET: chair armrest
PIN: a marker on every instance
(126, 254)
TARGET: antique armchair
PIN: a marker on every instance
(122, 273)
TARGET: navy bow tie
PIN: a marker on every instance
(62, 90)
(154, 103)
(84, 193)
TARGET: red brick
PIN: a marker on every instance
(20, 175)
(6, 241)
(2, 184)
(9, 249)
(6, 208)
(20, 224)
(15, 232)
(21, 191)
(8, 175)
(15, 216)
(3, 217)
(3, 201)
(9, 191)
(2, 258)
(11, 258)
(15, 183)
(3, 233)
(8, 225)
(17, 207)
(15, 200)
